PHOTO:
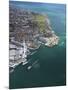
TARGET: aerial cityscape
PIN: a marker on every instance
(36, 44)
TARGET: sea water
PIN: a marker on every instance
(50, 68)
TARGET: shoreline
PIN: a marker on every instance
(28, 30)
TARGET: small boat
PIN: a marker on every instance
(29, 67)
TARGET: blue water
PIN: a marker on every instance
(51, 67)
(56, 13)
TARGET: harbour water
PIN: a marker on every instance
(47, 65)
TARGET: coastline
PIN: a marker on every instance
(28, 30)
